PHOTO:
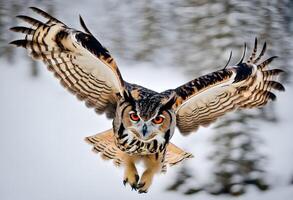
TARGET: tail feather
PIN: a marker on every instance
(176, 155)
(105, 145)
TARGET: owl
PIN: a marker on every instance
(143, 120)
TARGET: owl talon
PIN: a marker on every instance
(140, 185)
(142, 191)
(132, 181)
(125, 181)
(134, 187)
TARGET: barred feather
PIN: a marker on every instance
(30, 20)
(104, 143)
(23, 29)
(175, 155)
(266, 62)
(264, 48)
(46, 15)
(20, 43)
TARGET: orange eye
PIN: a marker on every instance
(158, 120)
(134, 117)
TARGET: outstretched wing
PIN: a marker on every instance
(76, 58)
(246, 85)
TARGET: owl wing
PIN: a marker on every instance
(77, 59)
(249, 84)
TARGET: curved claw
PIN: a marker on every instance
(125, 181)
(140, 190)
(134, 187)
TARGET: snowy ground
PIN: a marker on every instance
(43, 154)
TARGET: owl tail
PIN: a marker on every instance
(104, 143)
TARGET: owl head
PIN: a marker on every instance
(146, 118)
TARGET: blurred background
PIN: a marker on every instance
(160, 44)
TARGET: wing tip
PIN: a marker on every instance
(243, 54)
(31, 20)
(271, 96)
(19, 43)
(33, 8)
(44, 14)
(88, 140)
(82, 23)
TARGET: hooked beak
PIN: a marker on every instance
(144, 130)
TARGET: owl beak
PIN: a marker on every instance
(144, 130)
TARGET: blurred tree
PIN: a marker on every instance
(182, 176)
(5, 50)
(137, 35)
(237, 162)
(150, 35)
(116, 32)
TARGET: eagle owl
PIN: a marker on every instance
(143, 120)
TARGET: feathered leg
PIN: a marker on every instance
(153, 164)
(130, 172)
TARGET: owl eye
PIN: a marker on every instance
(158, 120)
(133, 116)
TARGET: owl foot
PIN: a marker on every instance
(132, 181)
(153, 165)
(131, 176)
(145, 181)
